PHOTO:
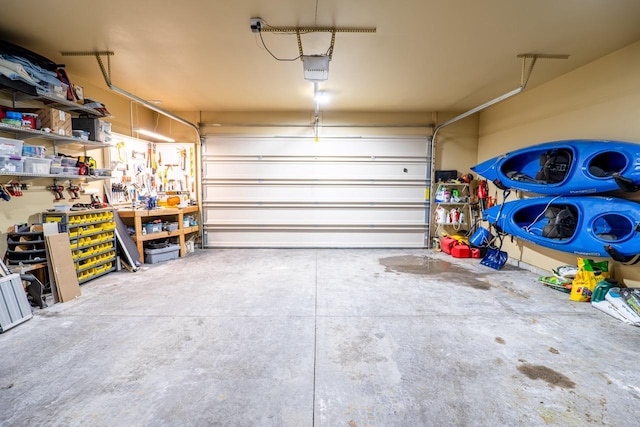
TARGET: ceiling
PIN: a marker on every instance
(426, 55)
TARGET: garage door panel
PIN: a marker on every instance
(313, 239)
(265, 193)
(315, 170)
(293, 192)
(290, 147)
(255, 193)
(314, 215)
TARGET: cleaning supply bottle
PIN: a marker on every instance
(441, 215)
(454, 216)
(446, 196)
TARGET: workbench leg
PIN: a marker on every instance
(137, 225)
(183, 249)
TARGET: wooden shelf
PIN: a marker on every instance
(135, 218)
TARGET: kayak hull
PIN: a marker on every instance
(600, 222)
(593, 166)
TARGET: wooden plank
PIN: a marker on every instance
(63, 268)
(126, 243)
(49, 229)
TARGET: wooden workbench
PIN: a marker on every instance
(138, 217)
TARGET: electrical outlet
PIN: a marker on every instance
(256, 25)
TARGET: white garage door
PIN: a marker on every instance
(295, 192)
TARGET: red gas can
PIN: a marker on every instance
(446, 243)
(460, 251)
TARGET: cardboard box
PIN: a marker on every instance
(57, 120)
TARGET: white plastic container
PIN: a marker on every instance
(10, 147)
(37, 165)
(9, 164)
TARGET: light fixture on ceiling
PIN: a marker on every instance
(316, 67)
(153, 135)
(321, 97)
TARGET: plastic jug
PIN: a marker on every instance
(602, 287)
(441, 215)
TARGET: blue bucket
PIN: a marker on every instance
(481, 237)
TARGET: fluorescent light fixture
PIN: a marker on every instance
(154, 135)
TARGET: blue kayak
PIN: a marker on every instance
(571, 167)
(583, 225)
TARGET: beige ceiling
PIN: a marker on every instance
(427, 55)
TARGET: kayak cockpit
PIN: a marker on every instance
(539, 167)
(612, 227)
(558, 221)
(606, 164)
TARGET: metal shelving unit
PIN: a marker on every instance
(24, 175)
(92, 238)
(26, 133)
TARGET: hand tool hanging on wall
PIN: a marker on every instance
(122, 152)
(138, 155)
(4, 193)
(74, 190)
(15, 188)
(192, 168)
(154, 163)
(183, 158)
(57, 190)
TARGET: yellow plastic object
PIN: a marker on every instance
(173, 201)
(587, 278)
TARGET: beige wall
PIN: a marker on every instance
(457, 144)
(598, 101)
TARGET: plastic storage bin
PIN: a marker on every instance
(10, 147)
(152, 227)
(171, 226)
(101, 172)
(68, 161)
(153, 256)
(70, 170)
(10, 164)
(36, 165)
(34, 151)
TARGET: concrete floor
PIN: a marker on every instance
(324, 337)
